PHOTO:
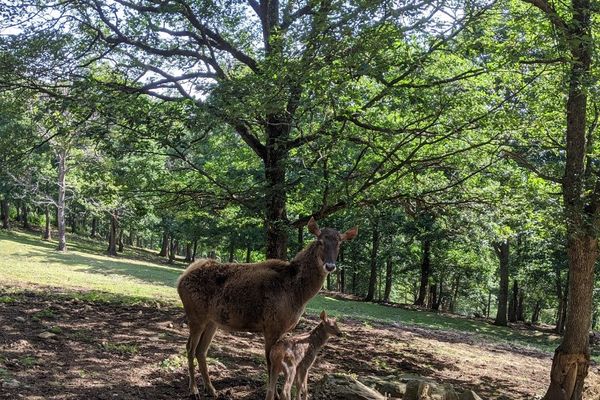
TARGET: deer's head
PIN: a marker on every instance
(330, 324)
(328, 242)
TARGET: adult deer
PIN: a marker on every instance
(267, 297)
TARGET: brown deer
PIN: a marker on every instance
(267, 297)
(294, 357)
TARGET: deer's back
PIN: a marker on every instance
(239, 296)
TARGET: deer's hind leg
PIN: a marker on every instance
(201, 351)
(192, 344)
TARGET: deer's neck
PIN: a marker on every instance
(318, 337)
(311, 274)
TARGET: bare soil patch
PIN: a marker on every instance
(110, 351)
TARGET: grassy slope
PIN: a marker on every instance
(25, 259)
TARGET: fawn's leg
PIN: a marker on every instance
(192, 344)
(272, 379)
(290, 375)
(201, 351)
(305, 387)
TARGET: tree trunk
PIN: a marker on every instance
(502, 251)
(194, 250)
(112, 236)
(25, 217)
(275, 158)
(47, 230)
(535, 315)
(512, 303)
(425, 272)
(73, 224)
(328, 280)
(572, 357)
(373, 274)
(62, 173)
(231, 250)
(172, 250)
(520, 306)
(300, 238)
(164, 248)
(94, 227)
(454, 300)
(5, 214)
(248, 253)
(489, 305)
(388, 279)
(188, 252)
(342, 273)
(120, 249)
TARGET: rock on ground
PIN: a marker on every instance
(343, 387)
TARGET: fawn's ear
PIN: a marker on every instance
(350, 233)
(323, 315)
(313, 227)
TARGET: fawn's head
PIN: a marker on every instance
(330, 324)
(328, 242)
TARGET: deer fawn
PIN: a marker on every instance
(294, 356)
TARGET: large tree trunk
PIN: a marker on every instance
(425, 272)
(47, 230)
(571, 359)
(582, 207)
(388, 279)
(276, 220)
(373, 274)
(60, 205)
(112, 236)
(5, 214)
(172, 250)
(502, 251)
(164, 248)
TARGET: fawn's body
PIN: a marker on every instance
(294, 356)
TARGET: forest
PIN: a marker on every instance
(459, 137)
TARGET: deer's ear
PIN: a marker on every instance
(313, 227)
(323, 315)
(350, 233)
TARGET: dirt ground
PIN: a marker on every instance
(101, 351)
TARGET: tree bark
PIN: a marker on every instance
(512, 303)
(231, 250)
(342, 273)
(276, 220)
(120, 249)
(112, 236)
(25, 216)
(188, 252)
(47, 230)
(164, 248)
(62, 173)
(248, 253)
(194, 250)
(582, 208)
(388, 279)
(373, 274)
(5, 214)
(455, 289)
(172, 250)
(502, 251)
(94, 227)
(425, 272)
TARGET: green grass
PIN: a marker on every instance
(84, 272)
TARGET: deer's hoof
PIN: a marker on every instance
(211, 392)
(194, 396)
